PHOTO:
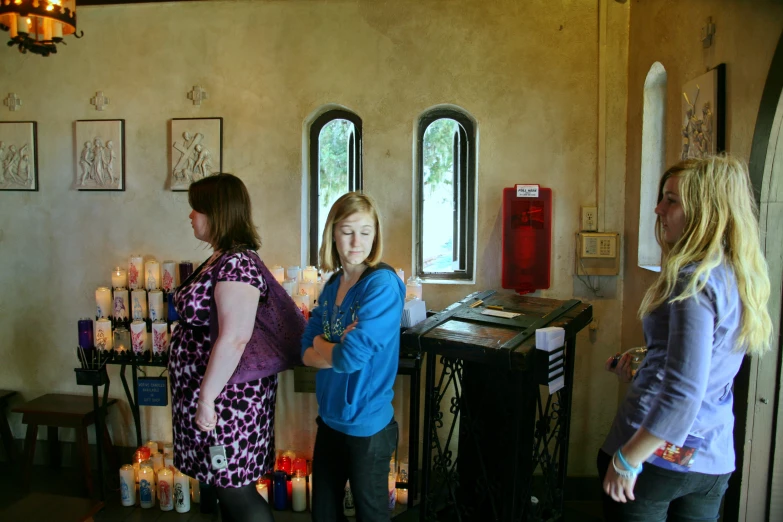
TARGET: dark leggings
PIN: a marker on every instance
(243, 505)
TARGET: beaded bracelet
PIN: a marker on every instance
(629, 471)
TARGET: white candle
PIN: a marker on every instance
(309, 274)
(156, 305)
(146, 487)
(309, 289)
(21, 24)
(263, 490)
(181, 492)
(139, 339)
(195, 488)
(58, 30)
(138, 304)
(135, 268)
(303, 302)
(119, 278)
(168, 449)
(152, 274)
(279, 273)
(103, 302)
(47, 27)
(299, 493)
(310, 489)
(157, 461)
(168, 280)
(292, 272)
(128, 485)
(165, 489)
(169, 462)
(121, 305)
(160, 338)
(402, 496)
(289, 285)
(153, 446)
(103, 335)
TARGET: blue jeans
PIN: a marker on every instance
(663, 495)
(338, 457)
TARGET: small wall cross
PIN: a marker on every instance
(99, 100)
(197, 94)
(13, 102)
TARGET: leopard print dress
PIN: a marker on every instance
(246, 412)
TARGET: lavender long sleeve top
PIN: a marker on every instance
(684, 386)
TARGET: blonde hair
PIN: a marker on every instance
(348, 205)
(721, 226)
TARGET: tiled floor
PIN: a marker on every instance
(68, 482)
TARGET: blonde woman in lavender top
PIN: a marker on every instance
(670, 451)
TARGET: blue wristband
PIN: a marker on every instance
(625, 463)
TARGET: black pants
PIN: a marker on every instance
(362, 460)
(242, 504)
(664, 495)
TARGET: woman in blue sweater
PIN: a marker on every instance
(353, 337)
(670, 451)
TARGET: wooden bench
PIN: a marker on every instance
(41, 506)
(63, 411)
(5, 429)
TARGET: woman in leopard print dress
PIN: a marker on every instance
(208, 407)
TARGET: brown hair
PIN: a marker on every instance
(223, 198)
(348, 205)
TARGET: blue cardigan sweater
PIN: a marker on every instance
(354, 396)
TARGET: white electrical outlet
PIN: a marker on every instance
(590, 218)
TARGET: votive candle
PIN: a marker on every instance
(168, 279)
(103, 302)
(165, 489)
(146, 487)
(86, 334)
(152, 274)
(299, 493)
(309, 274)
(139, 339)
(279, 273)
(156, 305)
(122, 342)
(121, 304)
(135, 269)
(160, 338)
(292, 272)
(185, 269)
(103, 337)
(119, 278)
(181, 492)
(138, 304)
(128, 485)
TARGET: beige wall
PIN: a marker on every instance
(669, 32)
(529, 72)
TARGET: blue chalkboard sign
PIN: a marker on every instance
(153, 391)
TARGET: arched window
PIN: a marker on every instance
(446, 195)
(335, 167)
(653, 165)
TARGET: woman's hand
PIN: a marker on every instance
(617, 487)
(622, 369)
(206, 418)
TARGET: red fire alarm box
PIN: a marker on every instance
(527, 238)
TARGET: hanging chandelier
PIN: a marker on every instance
(38, 25)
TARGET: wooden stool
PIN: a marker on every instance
(63, 411)
(5, 429)
(40, 506)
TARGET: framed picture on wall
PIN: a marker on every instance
(196, 149)
(18, 155)
(99, 151)
(704, 114)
